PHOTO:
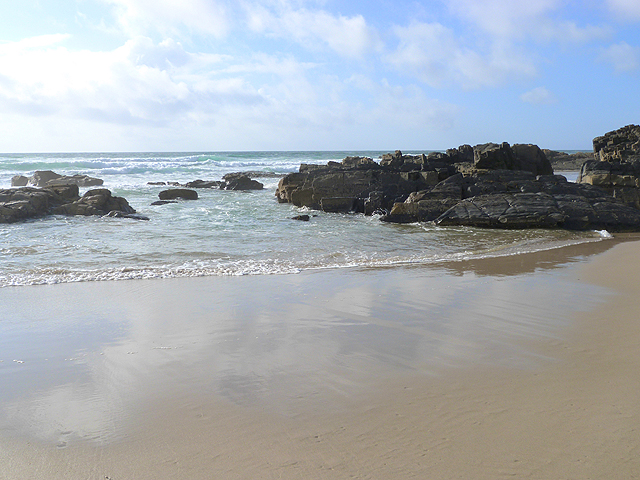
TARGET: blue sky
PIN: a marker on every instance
(194, 75)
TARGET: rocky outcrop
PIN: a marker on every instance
(362, 185)
(452, 197)
(529, 158)
(174, 193)
(619, 179)
(47, 178)
(622, 145)
(231, 181)
(18, 204)
(205, 184)
(616, 167)
(95, 202)
(240, 181)
(567, 162)
(542, 210)
(23, 203)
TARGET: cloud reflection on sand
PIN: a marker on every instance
(277, 342)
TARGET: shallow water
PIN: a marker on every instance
(223, 232)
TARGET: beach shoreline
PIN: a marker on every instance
(513, 366)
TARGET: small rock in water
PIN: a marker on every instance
(174, 193)
(302, 218)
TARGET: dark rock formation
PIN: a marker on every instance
(174, 193)
(258, 174)
(47, 178)
(622, 145)
(529, 158)
(359, 183)
(163, 202)
(516, 199)
(541, 210)
(23, 203)
(95, 202)
(29, 202)
(240, 181)
(301, 218)
(616, 167)
(567, 162)
(19, 181)
(205, 184)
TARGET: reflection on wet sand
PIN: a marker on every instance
(95, 355)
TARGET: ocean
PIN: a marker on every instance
(223, 232)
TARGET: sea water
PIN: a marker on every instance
(223, 232)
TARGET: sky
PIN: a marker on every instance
(221, 75)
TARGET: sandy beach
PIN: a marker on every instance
(520, 367)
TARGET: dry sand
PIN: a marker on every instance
(536, 375)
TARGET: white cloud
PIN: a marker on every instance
(622, 56)
(625, 9)
(434, 54)
(538, 96)
(504, 18)
(208, 17)
(537, 19)
(140, 82)
(347, 36)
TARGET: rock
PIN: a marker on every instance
(419, 211)
(616, 165)
(542, 210)
(505, 210)
(30, 202)
(163, 202)
(362, 184)
(95, 202)
(622, 145)
(338, 204)
(259, 174)
(241, 182)
(393, 160)
(174, 193)
(531, 159)
(24, 203)
(19, 181)
(47, 178)
(456, 197)
(205, 184)
(561, 161)
(162, 184)
(302, 218)
(491, 156)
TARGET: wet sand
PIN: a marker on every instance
(522, 367)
